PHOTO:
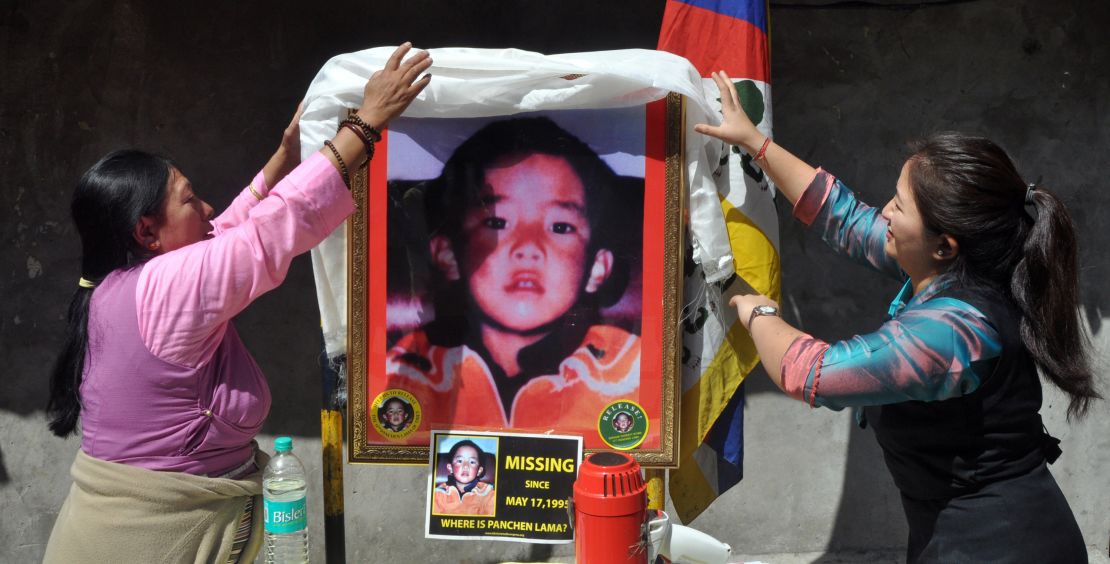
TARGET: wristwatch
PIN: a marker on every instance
(761, 310)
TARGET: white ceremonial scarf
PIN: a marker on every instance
(490, 82)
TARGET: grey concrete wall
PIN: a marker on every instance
(212, 86)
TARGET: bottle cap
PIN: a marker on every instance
(283, 444)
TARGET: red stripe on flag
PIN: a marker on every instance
(714, 42)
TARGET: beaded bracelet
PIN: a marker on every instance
(762, 150)
(342, 165)
(366, 143)
(371, 132)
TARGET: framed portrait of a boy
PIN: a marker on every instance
(519, 273)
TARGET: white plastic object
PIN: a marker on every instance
(684, 545)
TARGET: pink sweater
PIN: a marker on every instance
(168, 385)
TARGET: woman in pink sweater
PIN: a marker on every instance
(152, 365)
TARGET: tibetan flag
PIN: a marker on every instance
(729, 35)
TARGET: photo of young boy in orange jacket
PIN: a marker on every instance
(531, 234)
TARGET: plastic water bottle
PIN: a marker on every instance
(283, 494)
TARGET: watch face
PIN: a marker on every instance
(766, 310)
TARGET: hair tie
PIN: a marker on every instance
(1029, 193)
(86, 283)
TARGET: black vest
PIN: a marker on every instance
(943, 449)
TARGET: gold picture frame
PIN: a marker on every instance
(375, 364)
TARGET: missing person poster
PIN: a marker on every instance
(502, 486)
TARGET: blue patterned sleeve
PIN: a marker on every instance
(847, 225)
(940, 349)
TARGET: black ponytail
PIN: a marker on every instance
(1046, 288)
(64, 404)
(108, 202)
(968, 187)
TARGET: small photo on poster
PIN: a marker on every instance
(465, 476)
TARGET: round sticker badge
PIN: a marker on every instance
(623, 425)
(396, 414)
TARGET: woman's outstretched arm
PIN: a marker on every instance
(186, 297)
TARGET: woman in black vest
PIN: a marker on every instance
(949, 382)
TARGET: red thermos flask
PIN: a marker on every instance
(610, 501)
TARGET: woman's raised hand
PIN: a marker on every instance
(391, 90)
(288, 154)
(737, 128)
(386, 95)
(291, 137)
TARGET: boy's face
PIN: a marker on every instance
(395, 413)
(465, 466)
(623, 422)
(526, 244)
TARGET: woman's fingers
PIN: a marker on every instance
(294, 127)
(417, 67)
(297, 115)
(291, 137)
(726, 97)
(390, 90)
(413, 60)
(398, 54)
(730, 100)
(731, 89)
(710, 130)
(418, 86)
(736, 128)
(396, 76)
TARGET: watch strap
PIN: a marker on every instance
(759, 311)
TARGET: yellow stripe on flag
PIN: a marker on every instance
(757, 262)
(755, 257)
(734, 360)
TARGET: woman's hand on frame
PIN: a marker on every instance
(391, 90)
